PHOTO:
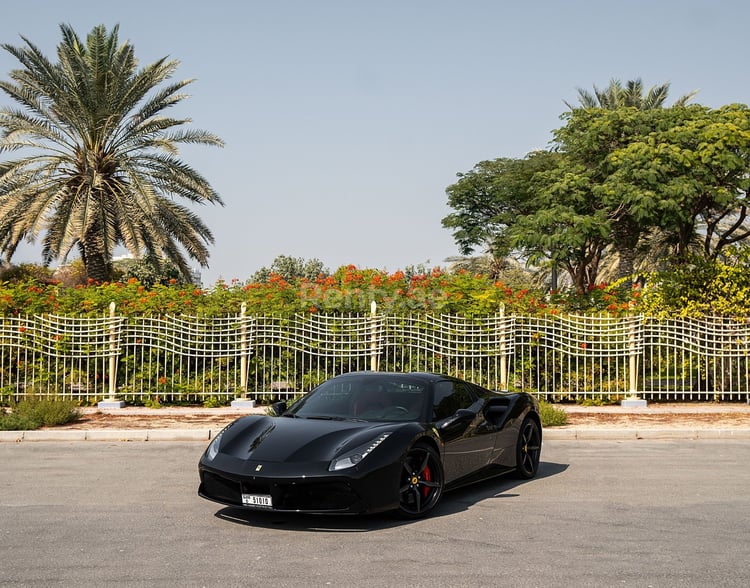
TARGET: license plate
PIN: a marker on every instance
(257, 500)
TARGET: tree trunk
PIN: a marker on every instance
(625, 236)
(98, 265)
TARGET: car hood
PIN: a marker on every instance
(284, 439)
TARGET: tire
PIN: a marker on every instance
(528, 449)
(421, 482)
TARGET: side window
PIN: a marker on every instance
(449, 397)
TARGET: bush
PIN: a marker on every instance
(32, 413)
(551, 415)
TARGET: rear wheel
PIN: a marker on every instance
(528, 449)
(421, 482)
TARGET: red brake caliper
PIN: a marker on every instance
(427, 476)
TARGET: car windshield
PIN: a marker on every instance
(373, 397)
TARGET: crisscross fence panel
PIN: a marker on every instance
(184, 357)
(72, 356)
(696, 359)
(192, 358)
(476, 349)
(294, 354)
(573, 356)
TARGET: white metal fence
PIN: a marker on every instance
(188, 358)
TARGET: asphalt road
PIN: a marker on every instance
(601, 513)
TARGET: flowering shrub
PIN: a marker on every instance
(348, 290)
(617, 298)
(702, 287)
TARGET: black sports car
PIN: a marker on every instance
(372, 441)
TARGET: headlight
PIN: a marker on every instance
(352, 458)
(213, 448)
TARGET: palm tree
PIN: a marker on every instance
(631, 95)
(101, 165)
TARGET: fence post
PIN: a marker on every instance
(242, 401)
(633, 400)
(503, 347)
(373, 336)
(111, 401)
(243, 349)
(633, 363)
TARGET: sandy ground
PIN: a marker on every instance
(693, 415)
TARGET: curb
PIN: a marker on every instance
(550, 434)
(111, 435)
(602, 434)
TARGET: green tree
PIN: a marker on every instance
(504, 269)
(540, 208)
(626, 183)
(567, 227)
(148, 271)
(616, 129)
(291, 269)
(690, 179)
(489, 198)
(615, 96)
(101, 167)
(702, 287)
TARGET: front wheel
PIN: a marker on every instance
(528, 449)
(421, 482)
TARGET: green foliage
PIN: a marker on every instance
(25, 272)
(348, 290)
(33, 413)
(603, 400)
(701, 287)
(7, 395)
(615, 95)
(698, 288)
(688, 178)
(625, 176)
(149, 271)
(290, 269)
(490, 198)
(98, 165)
(551, 415)
(152, 402)
(618, 298)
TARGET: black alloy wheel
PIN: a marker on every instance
(528, 449)
(421, 483)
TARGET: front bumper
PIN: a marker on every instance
(354, 492)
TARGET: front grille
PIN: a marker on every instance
(221, 489)
(291, 496)
(323, 496)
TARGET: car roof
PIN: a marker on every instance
(423, 376)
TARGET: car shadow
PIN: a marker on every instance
(452, 503)
(461, 499)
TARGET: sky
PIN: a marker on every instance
(345, 121)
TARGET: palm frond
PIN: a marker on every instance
(103, 168)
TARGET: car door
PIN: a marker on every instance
(457, 413)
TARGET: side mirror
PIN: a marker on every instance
(278, 408)
(462, 416)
